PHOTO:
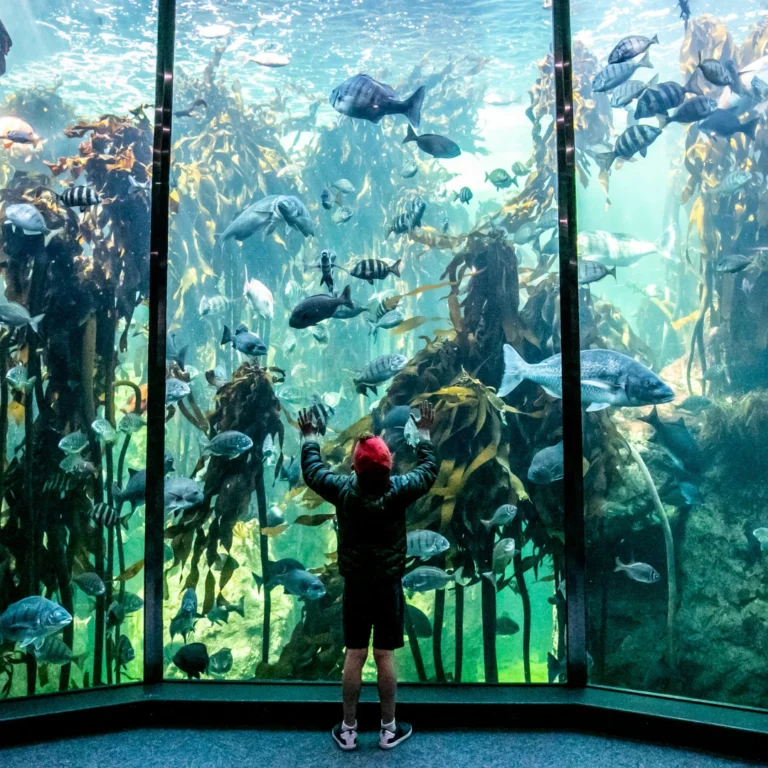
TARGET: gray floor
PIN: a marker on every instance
(297, 749)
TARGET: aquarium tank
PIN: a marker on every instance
(363, 217)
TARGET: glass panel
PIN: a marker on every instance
(76, 149)
(279, 198)
(675, 518)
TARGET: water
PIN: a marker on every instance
(470, 280)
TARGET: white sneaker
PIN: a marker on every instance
(389, 739)
(345, 739)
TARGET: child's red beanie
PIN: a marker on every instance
(371, 455)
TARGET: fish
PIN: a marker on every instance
(691, 111)
(326, 264)
(433, 144)
(641, 572)
(90, 583)
(378, 371)
(547, 466)
(315, 309)
(220, 662)
(244, 341)
(395, 419)
(608, 378)
(731, 263)
(56, 652)
(390, 319)
(503, 515)
(732, 183)
(716, 72)
(426, 578)
(421, 624)
(500, 179)
(425, 544)
(677, 442)
(291, 473)
(30, 620)
(106, 515)
(275, 516)
(74, 464)
(13, 315)
(174, 353)
(629, 47)
(81, 197)
(294, 580)
(20, 137)
(259, 297)
(520, 168)
(592, 271)
(409, 169)
(320, 334)
(691, 494)
(134, 492)
(189, 602)
(761, 534)
(526, 233)
(327, 199)
(220, 612)
(506, 625)
(321, 413)
(192, 659)
(5, 46)
(104, 430)
(181, 493)
(375, 269)
(342, 215)
(464, 195)
(624, 94)
(17, 378)
(75, 442)
(270, 59)
(503, 553)
(213, 305)
(132, 603)
(615, 74)
(182, 624)
(637, 138)
(289, 344)
(175, 390)
(228, 445)
(27, 218)
(555, 667)
(265, 215)
(124, 653)
(695, 404)
(659, 99)
(618, 250)
(361, 97)
(723, 122)
(685, 11)
(345, 186)
(131, 423)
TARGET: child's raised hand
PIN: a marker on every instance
(306, 425)
(426, 416)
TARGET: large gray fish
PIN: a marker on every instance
(221, 662)
(30, 620)
(27, 218)
(378, 371)
(425, 544)
(56, 652)
(175, 390)
(364, 98)
(661, 98)
(637, 138)
(135, 490)
(608, 378)
(181, 493)
(244, 341)
(266, 214)
(390, 319)
(315, 309)
(629, 47)
(547, 466)
(614, 249)
(723, 122)
(425, 578)
(14, 315)
(691, 111)
(615, 74)
(290, 574)
(229, 444)
(433, 144)
(732, 183)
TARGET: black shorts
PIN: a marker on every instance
(377, 605)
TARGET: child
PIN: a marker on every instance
(370, 509)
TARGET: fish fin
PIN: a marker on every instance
(226, 336)
(605, 160)
(346, 297)
(412, 106)
(514, 367)
(132, 472)
(395, 268)
(619, 565)
(490, 575)
(124, 522)
(551, 392)
(612, 272)
(644, 152)
(646, 61)
(592, 407)
(749, 128)
(410, 135)
(337, 199)
(459, 578)
(259, 581)
(240, 607)
(654, 80)
(487, 178)
(655, 39)
(666, 243)
(487, 524)
(34, 323)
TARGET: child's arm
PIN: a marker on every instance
(316, 475)
(417, 482)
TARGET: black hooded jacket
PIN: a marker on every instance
(372, 535)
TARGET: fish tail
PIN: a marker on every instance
(490, 575)
(117, 496)
(410, 135)
(655, 39)
(34, 323)
(346, 297)
(373, 329)
(487, 178)
(646, 61)
(612, 272)
(619, 565)
(514, 181)
(665, 245)
(514, 371)
(692, 86)
(487, 524)
(80, 658)
(395, 268)
(226, 337)
(605, 160)
(553, 668)
(412, 106)
(750, 127)
(240, 607)
(664, 120)
(458, 576)
(259, 581)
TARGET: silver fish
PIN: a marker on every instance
(175, 390)
(15, 316)
(27, 218)
(104, 430)
(425, 544)
(425, 578)
(30, 620)
(504, 515)
(378, 371)
(391, 319)
(229, 444)
(75, 442)
(641, 572)
(17, 378)
(130, 423)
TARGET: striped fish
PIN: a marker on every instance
(626, 93)
(615, 74)
(375, 269)
(81, 197)
(660, 99)
(637, 138)
(212, 305)
(103, 514)
(464, 195)
(59, 483)
(378, 371)
(400, 224)
(629, 47)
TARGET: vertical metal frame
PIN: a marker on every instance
(158, 283)
(570, 347)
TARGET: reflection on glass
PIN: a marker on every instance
(76, 149)
(669, 118)
(354, 248)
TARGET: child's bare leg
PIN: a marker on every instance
(351, 682)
